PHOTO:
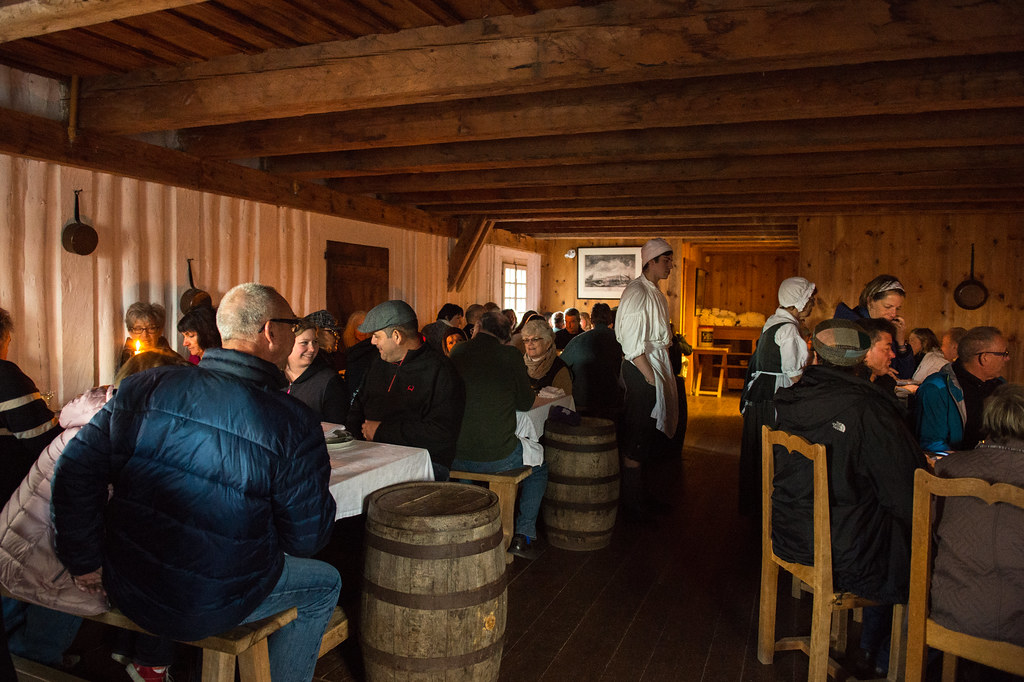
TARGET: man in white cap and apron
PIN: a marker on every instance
(651, 402)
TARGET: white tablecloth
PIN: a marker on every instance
(530, 427)
(361, 467)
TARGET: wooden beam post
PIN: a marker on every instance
(472, 237)
(40, 138)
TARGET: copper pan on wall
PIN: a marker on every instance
(193, 297)
(970, 294)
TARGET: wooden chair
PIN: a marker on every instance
(922, 631)
(818, 577)
(504, 484)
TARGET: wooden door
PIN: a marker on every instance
(357, 278)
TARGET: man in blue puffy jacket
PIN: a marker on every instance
(220, 485)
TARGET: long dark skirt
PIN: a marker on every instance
(755, 416)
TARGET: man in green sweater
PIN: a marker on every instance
(496, 386)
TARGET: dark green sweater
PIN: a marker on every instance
(496, 386)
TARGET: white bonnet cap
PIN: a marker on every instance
(795, 292)
(653, 249)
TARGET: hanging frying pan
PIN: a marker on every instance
(970, 294)
(78, 237)
(193, 297)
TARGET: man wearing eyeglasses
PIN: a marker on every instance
(220, 487)
(949, 402)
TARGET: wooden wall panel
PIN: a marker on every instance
(930, 255)
(746, 281)
(69, 309)
(560, 278)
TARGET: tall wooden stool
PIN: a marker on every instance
(818, 577)
(922, 631)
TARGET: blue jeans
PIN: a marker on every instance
(313, 587)
(38, 633)
(531, 490)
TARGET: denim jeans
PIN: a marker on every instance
(313, 587)
(38, 633)
(531, 490)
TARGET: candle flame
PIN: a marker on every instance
(138, 346)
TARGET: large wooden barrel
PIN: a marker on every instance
(582, 496)
(434, 586)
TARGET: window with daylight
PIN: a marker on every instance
(514, 280)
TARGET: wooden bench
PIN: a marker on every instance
(504, 484)
(246, 644)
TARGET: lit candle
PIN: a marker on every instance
(138, 346)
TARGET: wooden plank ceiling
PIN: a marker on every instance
(720, 122)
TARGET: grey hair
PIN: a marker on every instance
(497, 325)
(975, 341)
(1003, 416)
(245, 309)
(539, 328)
(6, 324)
(140, 311)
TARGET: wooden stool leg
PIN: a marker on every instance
(218, 666)
(254, 663)
(948, 667)
(506, 493)
(721, 374)
(797, 588)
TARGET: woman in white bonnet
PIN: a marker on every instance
(778, 361)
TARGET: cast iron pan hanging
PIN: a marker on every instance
(193, 297)
(970, 294)
(78, 237)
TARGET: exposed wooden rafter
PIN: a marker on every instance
(472, 238)
(618, 42)
(27, 18)
(39, 138)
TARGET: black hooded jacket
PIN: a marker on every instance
(872, 458)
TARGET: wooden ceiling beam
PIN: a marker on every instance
(723, 168)
(871, 89)
(39, 138)
(974, 177)
(617, 42)
(936, 129)
(29, 18)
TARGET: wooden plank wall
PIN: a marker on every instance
(743, 281)
(559, 278)
(930, 254)
(69, 309)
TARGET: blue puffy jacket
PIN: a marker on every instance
(216, 475)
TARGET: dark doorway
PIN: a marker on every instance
(357, 278)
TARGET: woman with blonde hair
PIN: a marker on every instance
(542, 362)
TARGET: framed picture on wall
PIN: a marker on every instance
(604, 271)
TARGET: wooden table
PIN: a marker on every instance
(360, 467)
(706, 356)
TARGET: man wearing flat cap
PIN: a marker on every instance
(651, 401)
(872, 457)
(411, 394)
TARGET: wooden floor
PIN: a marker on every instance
(677, 602)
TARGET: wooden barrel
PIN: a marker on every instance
(434, 586)
(582, 496)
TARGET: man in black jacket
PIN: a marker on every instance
(411, 394)
(872, 457)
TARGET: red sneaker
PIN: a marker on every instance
(147, 673)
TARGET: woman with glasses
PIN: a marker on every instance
(542, 362)
(145, 324)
